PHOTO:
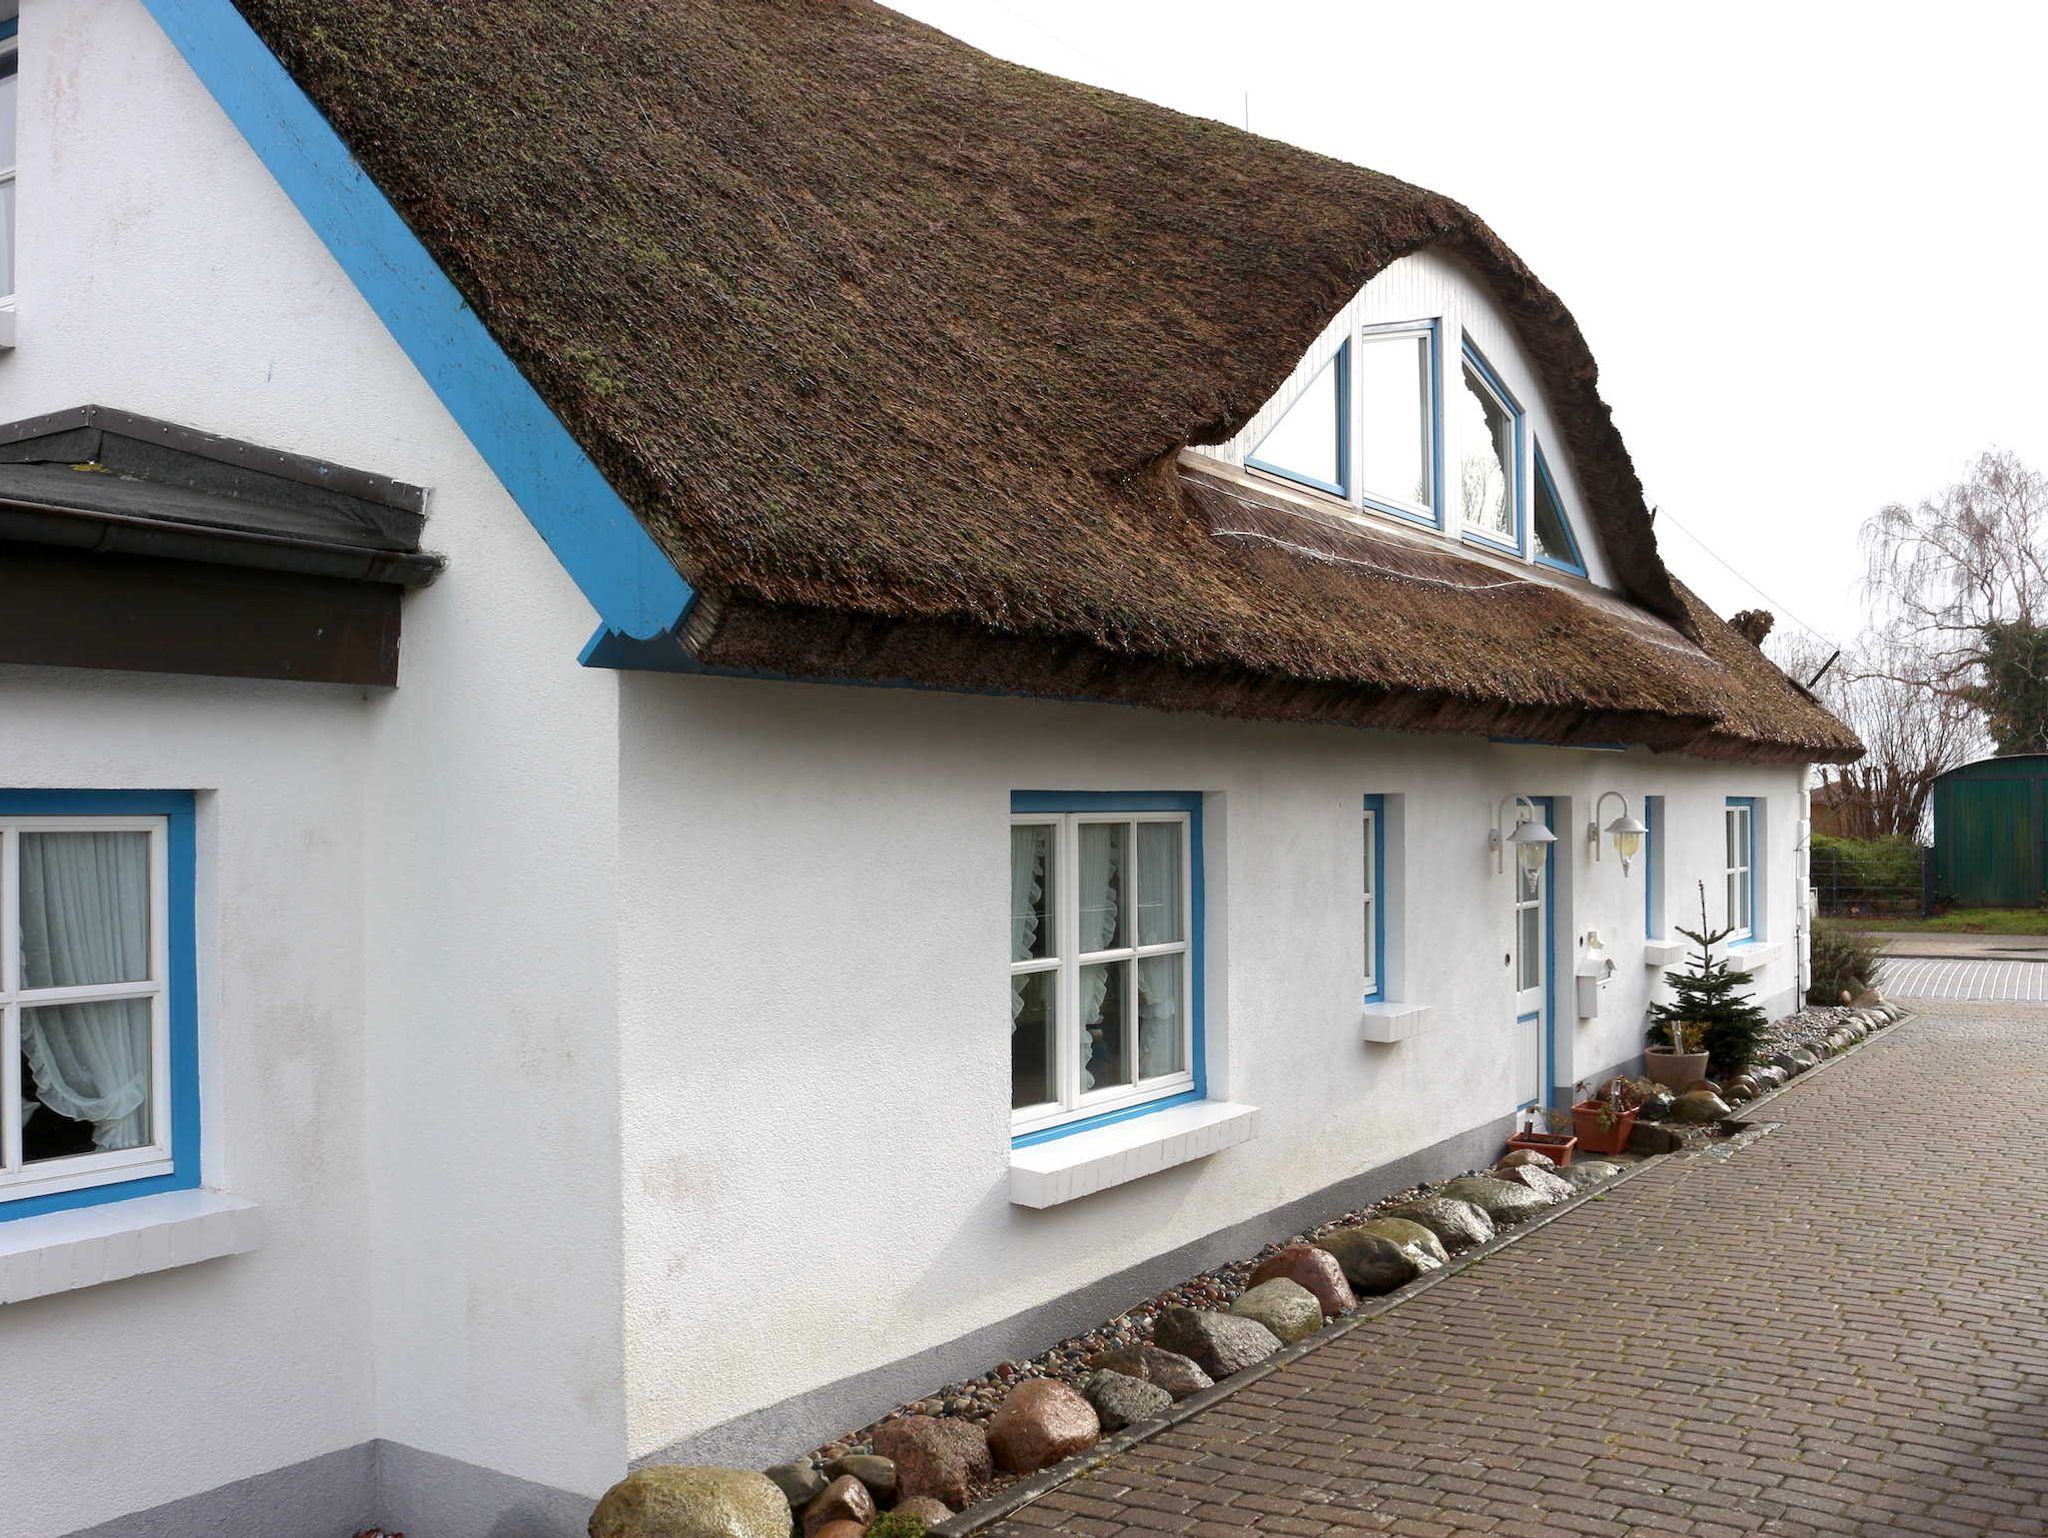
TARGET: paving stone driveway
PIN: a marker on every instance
(1842, 1328)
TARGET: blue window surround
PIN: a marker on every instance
(176, 807)
(1577, 564)
(1485, 371)
(635, 589)
(1024, 801)
(1341, 361)
(1751, 937)
(1652, 836)
(1435, 517)
(1543, 805)
(9, 28)
(1377, 805)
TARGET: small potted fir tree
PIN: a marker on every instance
(1710, 1022)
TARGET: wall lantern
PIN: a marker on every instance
(1530, 838)
(1627, 832)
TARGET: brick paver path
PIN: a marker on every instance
(1840, 1328)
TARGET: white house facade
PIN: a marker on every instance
(517, 962)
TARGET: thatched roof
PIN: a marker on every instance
(892, 347)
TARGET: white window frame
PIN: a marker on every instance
(1427, 333)
(10, 48)
(1739, 828)
(1073, 1104)
(80, 1171)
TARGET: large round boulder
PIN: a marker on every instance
(1309, 1266)
(1286, 1308)
(673, 1500)
(1121, 1400)
(1498, 1199)
(1165, 1369)
(940, 1458)
(878, 1474)
(1701, 1107)
(1458, 1223)
(1547, 1183)
(1041, 1421)
(1590, 1172)
(1373, 1263)
(846, 1499)
(1518, 1158)
(933, 1512)
(1220, 1344)
(1403, 1231)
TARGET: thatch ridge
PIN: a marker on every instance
(863, 322)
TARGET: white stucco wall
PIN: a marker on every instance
(815, 1000)
(407, 1027)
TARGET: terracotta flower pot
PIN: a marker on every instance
(1611, 1138)
(1676, 1071)
(1554, 1146)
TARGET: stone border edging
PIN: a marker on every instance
(1014, 1497)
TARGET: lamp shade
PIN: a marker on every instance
(1532, 843)
(1628, 838)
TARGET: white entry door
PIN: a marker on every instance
(1532, 963)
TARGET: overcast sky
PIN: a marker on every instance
(1805, 241)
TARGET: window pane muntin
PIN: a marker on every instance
(81, 1172)
(1076, 1103)
(1396, 391)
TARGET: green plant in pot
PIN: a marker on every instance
(1711, 1021)
(1602, 1123)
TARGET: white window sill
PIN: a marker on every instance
(1663, 953)
(1394, 1022)
(1753, 957)
(6, 325)
(62, 1251)
(1047, 1174)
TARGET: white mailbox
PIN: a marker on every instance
(1594, 968)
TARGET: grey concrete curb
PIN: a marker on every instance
(1743, 1131)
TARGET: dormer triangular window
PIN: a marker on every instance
(1310, 442)
(1556, 545)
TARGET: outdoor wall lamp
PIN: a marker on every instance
(1531, 839)
(1628, 833)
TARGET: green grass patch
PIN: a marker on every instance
(1960, 921)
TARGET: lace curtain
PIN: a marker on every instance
(85, 919)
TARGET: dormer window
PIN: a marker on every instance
(1489, 432)
(1556, 545)
(1397, 420)
(1310, 441)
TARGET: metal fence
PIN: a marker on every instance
(1856, 878)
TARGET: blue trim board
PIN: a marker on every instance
(1190, 802)
(176, 808)
(9, 28)
(1341, 361)
(624, 574)
(1377, 805)
(1577, 565)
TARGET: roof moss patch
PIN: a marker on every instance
(871, 328)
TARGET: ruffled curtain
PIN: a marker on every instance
(1102, 858)
(1159, 977)
(85, 919)
(1027, 886)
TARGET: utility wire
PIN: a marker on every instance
(1664, 516)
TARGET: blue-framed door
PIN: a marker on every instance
(1535, 948)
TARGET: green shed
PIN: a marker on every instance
(1989, 824)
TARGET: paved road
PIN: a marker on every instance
(1923, 978)
(1841, 1329)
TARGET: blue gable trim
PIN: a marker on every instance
(589, 528)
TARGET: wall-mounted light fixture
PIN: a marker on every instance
(1531, 839)
(1625, 830)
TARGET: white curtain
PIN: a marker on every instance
(1027, 885)
(85, 919)
(1102, 847)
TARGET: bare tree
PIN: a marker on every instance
(1885, 689)
(1963, 577)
